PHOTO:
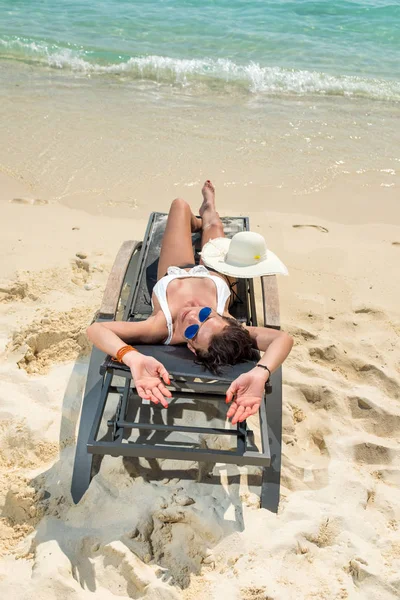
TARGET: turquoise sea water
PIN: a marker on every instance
(263, 47)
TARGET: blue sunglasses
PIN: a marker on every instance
(191, 331)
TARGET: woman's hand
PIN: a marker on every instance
(149, 376)
(247, 391)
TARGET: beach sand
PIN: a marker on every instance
(134, 535)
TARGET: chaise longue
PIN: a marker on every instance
(137, 429)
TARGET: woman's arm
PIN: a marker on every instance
(247, 390)
(113, 335)
(149, 374)
(276, 344)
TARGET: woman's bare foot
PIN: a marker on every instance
(212, 225)
(208, 192)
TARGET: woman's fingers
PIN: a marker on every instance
(162, 371)
(240, 410)
(246, 414)
(246, 402)
(157, 393)
(153, 389)
(232, 410)
(152, 397)
(231, 391)
(165, 391)
(249, 410)
(141, 392)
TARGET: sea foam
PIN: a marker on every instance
(217, 74)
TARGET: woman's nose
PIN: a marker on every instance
(193, 319)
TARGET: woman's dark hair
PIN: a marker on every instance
(233, 345)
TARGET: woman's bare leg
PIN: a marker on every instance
(176, 248)
(212, 226)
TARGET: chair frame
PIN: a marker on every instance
(192, 382)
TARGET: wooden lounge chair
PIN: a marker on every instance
(152, 431)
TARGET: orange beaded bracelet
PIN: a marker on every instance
(124, 350)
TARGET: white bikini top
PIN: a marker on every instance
(160, 290)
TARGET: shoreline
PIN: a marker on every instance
(125, 150)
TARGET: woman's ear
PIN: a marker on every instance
(191, 348)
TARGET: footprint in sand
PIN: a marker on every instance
(376, 419)
(59, 337)
(17, 290)
(318, 227)
(369, 453)
(31, 201)
(369, 310)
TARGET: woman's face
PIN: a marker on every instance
(214, 324)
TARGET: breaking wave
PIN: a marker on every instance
(217, 74)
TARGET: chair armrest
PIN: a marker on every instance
(270, 297)
(116, 278)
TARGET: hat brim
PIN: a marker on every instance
(213, 256)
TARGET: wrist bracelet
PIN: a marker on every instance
(124, 350)
(264, 367)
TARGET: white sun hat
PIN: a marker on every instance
(244, 256)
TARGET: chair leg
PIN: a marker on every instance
(271, 476)
(82, 471)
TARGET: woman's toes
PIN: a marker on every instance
(209, 185)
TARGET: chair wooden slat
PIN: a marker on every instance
(270, 297)
(116, 278)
